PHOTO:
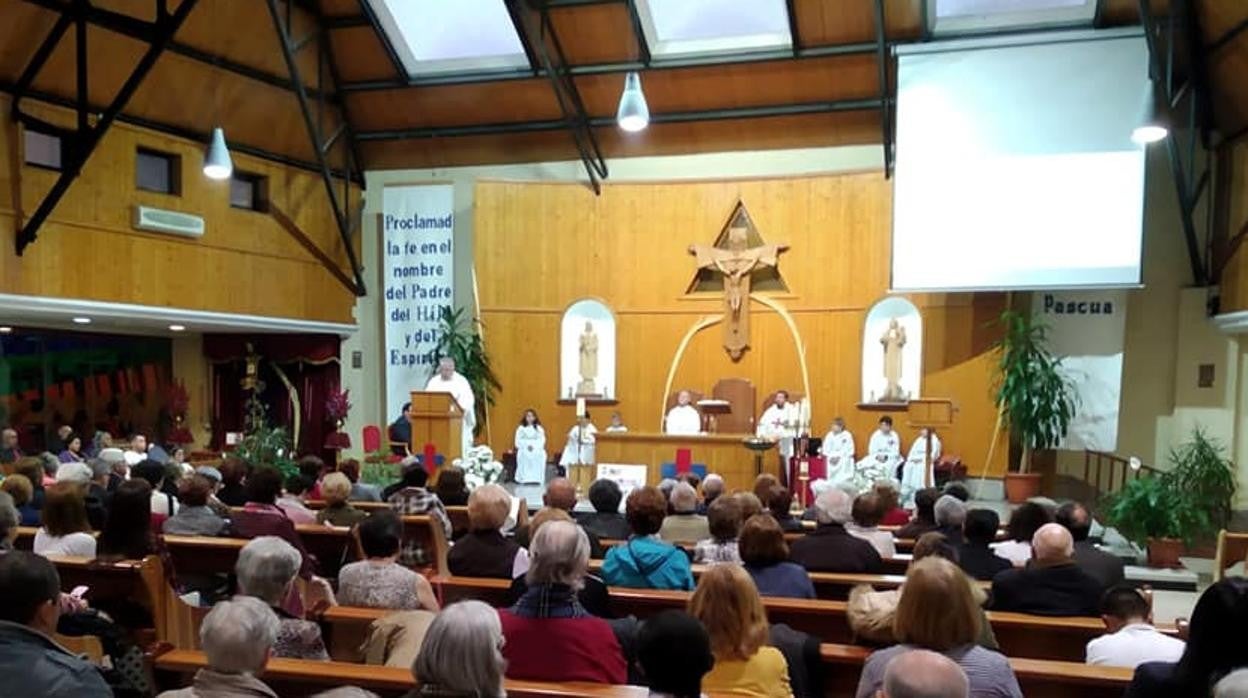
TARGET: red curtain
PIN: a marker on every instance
(309, 362)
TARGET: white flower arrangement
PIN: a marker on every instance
(479, 466)
(866, 475)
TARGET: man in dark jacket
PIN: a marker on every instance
(1051, 584)
(31, 663)
(1101, 566)
(830, 548)
(974, 556)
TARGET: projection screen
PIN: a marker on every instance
(1015, 167)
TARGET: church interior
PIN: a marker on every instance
(987, 245)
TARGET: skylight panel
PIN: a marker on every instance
(699, 27)
(973, 16)
(464, 36)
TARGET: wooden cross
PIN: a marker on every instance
(736, 263)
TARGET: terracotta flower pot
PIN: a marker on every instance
(1164, 552)
(1019, 487)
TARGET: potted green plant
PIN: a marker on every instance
(1033, 397)
(1166, 511)
(459, 339)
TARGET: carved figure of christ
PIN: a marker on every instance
(736, 264)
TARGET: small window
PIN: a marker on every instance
(157, 171)
(249, 191)
(42, 149)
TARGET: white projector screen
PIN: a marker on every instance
(1015, 167)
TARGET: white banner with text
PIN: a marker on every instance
(1088, 329)
(418, 223)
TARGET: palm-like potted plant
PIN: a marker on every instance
(1164, 511)
(1035, 400)
(459, 339)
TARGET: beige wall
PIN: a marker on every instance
(192, 369)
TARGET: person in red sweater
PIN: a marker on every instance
(550, 636)
(892, 514)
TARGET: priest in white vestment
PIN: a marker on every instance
(838, 452)
(883, 453)
(683, 419)
(447, 380)
(530, 450)
(779, 422)
(578, 454)
(913, 473)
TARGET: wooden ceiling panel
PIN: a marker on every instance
(856, 128)
(852, 21)
(360, 55)
(596, 33)
(1229, 65)
(111, 59)
(243, 31)
(447, 105)
(740, 85)
(23, 29)
(340, 8)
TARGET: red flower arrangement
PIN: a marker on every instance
(337, 407)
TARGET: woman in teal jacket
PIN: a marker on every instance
(645, 561)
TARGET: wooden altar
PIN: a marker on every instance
(721, 453)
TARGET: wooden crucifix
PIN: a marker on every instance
(736, 262)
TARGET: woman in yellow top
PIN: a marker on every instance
(728, 605)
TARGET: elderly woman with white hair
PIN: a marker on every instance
(830, 548)
(684, 524)
(550, 636)
(462, 654)
(484, 552)
(950, 514)
(266, 569)
(238, 637)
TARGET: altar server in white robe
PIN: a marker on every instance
(580, 446)
(683, 419)
(838, 452)
(913, 472)
(779, 422)
(447, 380)
(530, 450)
(883, 451)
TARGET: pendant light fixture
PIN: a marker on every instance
(1153, 126)
(217, 163)
(633, 114)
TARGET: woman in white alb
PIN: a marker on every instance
(530, 450)
(580, 447)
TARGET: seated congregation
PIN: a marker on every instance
(704, 568)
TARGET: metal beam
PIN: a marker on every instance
(140, 31)
(400, 70)
(536, 28)
(881, 59)
(517, 21)
(639, 33)
(341, 215)
(794, 33)
(621, 67)
(165, 28)
(347, 22)
(608, 121)
(1227, 37)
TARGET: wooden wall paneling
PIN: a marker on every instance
(244, 263)
(849, 21)
(541, 246)
(1234, 281)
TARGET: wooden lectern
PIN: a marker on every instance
(930, 414)
(437, 419)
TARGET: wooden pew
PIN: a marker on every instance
(828, 585)
(140, 581)
(1019, 634)
(205, 555)
(300, 677)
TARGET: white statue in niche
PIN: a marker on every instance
(892, 352)
(587, 351)
(588, 361)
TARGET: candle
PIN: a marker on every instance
(580, 407)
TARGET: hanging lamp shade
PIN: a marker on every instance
(633, 114)
(1153, 125)
(217, 163)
